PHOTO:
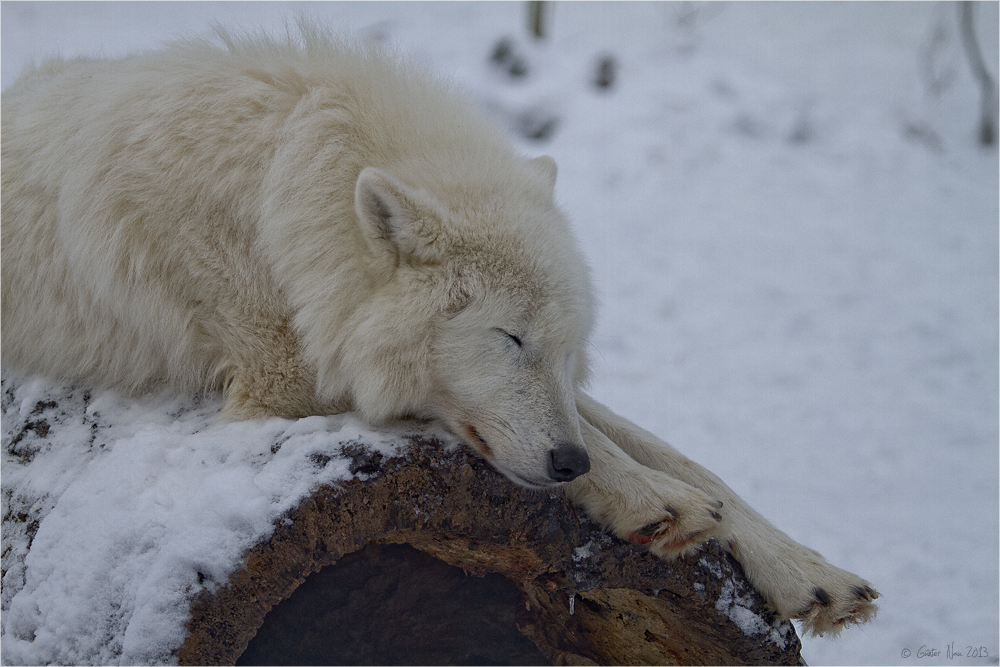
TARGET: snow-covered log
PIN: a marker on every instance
(151, 531)
(586, 596)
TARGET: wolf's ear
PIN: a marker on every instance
(547, 167)
(396, 217)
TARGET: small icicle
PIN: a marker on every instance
(572, 603)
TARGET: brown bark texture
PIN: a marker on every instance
(586, 597)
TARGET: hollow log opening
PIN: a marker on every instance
(394, 605)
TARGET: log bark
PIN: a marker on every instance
(586, 597)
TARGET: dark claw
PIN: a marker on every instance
(865, 592)
(716, 516)
(649, 529)
(719, 503)
(822, 597)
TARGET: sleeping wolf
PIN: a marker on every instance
(313, 227)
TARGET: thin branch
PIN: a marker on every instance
(988, 124)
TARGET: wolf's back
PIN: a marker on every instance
(150, 201)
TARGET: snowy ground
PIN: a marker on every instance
(795, 237)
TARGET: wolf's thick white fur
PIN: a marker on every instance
(313, 228)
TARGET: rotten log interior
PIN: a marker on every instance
(435, 558)
(393, 605)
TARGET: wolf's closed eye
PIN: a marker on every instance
(513, 337)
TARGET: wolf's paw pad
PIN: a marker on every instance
(680, 534)
(832, 609)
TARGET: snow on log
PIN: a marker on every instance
(152, 532)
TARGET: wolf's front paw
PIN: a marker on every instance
(649, 507)
(798, 582)
(844, 599)
(679, 534)
(685, 522)
(801, 584)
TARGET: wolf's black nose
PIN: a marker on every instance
(567, 462)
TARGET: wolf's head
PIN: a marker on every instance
(480, 316)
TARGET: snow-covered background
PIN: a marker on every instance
(795, 237)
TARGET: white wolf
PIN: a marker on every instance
(314, 227)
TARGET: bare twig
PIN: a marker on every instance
(988, 124)
(536, 18)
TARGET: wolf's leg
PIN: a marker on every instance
(797, 581)
(258, 392)
(641, 504)
(270, 378)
